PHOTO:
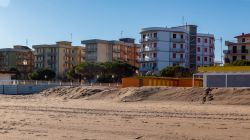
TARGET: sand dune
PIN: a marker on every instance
(148, 113)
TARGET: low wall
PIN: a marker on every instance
(23, 89)
(160, 81)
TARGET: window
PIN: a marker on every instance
(205, 40)
(174, 35)
(181, 55)
(198, 49)
(243, 40)
(155, 45)
(205, 49)
(155, 55)
(199, 40)
(243, 57)
(155, 35)
(181, 46)
(198, 58)
(174, 55)
(154, 65)
(143, 65)
(174, 45)
(181, 36)
(234, 58)
(205, 59)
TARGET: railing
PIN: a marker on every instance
(57, 83)
(177, 60)
(177, 49)
(178, 40)
(235, 52)
(51, 54)
(148, 49)
(147, 59)
(149, 39)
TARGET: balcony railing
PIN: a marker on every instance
(51, 54)
(178, 40)
(149, 39)
(148, 50)
(235, 52)
(147, 59)
(177, 60)
(177, 49)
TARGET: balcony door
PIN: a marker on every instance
(243, 49)
(234, 49)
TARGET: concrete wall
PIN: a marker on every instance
(227, 80)
(23, 89)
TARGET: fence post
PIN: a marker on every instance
(226, 81)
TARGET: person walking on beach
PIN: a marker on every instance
(207, 94)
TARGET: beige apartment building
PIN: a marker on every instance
(20, 58)
(59, 57)
(125, 50)
(238, 50)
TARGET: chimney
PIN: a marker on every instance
(243, 33)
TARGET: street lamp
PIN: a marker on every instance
(113, 77)
(25, 63)
(45, 77)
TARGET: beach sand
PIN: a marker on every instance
(121, 114)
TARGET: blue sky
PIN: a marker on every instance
(48, 21)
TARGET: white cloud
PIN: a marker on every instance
(4, 3)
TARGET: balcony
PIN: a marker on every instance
(182, 50)
(180, 60)
(38, 53)
(178, 40)
(51, 54)
(237, 52)
(51, 62)
(150, 39)
(148, 50)
(116, 50)
(147, 59)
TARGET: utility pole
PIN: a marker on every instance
(71, 37)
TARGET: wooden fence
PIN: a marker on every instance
(160, 81)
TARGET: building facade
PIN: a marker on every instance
(59, 57)
(124, 50)
(176, 46)
(205, 50)
(237, 50)
(20, 58)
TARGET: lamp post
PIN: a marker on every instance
(113, 77)
(45, 77)
(25, 63)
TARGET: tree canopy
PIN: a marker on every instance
(241, 63)
(177, 71)
(103, 72)
(42, 74)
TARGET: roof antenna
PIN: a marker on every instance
(121, 34)
(27, 42)
(183, 20)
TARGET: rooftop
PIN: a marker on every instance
(243, 35)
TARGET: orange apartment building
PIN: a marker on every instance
(125, 50)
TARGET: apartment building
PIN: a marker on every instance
(237, 50)
(176, 46)
(125, 50)
(59, 57)
(19, 57)
(205, 50)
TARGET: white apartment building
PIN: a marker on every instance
(205, 50)
(175, 46)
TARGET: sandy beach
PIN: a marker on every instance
(109, 114)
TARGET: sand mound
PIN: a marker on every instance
(233, 96)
